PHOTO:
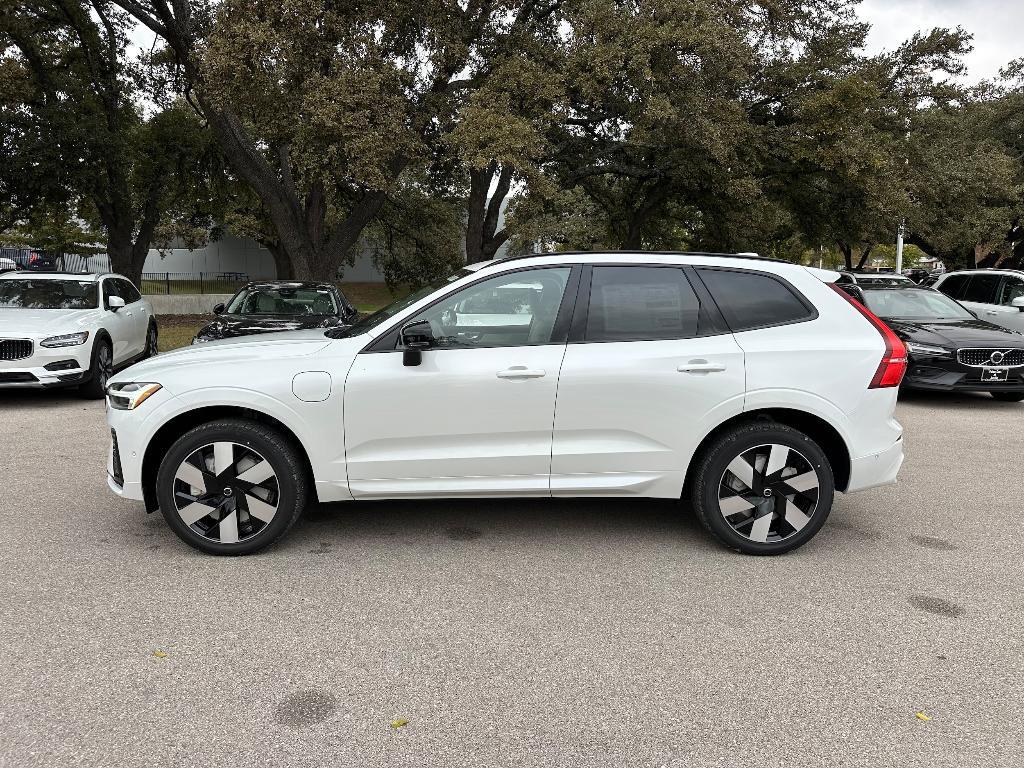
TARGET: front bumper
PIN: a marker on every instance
(951, 376)
(47, 367)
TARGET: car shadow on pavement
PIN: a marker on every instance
(956, 400)
(490, 520)
(41, 398)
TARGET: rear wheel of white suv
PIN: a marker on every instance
(231, 487)
(763, 488)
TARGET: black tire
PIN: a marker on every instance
(770, 494)
(152, 342)
(1008, 397)
(290, 487)
(101, 368)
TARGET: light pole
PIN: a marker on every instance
(899, 248)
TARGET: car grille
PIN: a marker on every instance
(983, 357)
(15, 349)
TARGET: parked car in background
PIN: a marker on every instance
(996, 295)
(874, 278)
(917, 275)
(949, 348)
(262, 307)
(30, 259)
(753, 386)
(61, 329)
(7, 265)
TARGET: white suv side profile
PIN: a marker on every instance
(67, 329)
(751, 387)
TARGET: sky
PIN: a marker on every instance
(997, 26)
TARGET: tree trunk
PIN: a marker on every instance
(483, 238)
(282, 264)
(847, 250)
(864, 257)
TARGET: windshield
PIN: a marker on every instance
(48, 294)
(266, 300)
(914, 303)
(392, 309)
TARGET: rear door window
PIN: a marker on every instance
(641, 304)
(982, 288)
(752, 300)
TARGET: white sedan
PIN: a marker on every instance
(755, 385)
(66, 329)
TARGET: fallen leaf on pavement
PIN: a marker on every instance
(921, 716)
(160, 654)
(399, 723)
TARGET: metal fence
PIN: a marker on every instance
(167, 283)
(38, 258)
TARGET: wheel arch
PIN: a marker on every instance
(177, 426)
(815, 427)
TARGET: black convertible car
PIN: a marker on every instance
(262, 307)
(948, 347)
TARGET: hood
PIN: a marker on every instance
(38, 323)
(265, 347)
(229, 326)
(968, 332)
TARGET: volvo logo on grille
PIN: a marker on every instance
(997, 357)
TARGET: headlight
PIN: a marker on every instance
(927, 350)
(67, 340)
(128, 396)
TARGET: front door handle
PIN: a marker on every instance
(700, 366)
(521, 372)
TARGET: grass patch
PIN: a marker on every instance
(178, 330)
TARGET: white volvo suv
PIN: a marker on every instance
(753, 388)
(65, 329)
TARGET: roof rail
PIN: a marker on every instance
(745, 255)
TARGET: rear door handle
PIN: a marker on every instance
(521, 372)
(700, 366)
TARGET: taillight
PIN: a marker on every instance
(894, 359)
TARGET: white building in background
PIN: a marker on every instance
(231, 254)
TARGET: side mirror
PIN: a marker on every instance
(218, 309)
(114, 303)
(1018, 303)
(415, 338)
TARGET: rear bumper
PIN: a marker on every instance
(876, 469)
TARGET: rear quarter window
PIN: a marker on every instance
(751, 300)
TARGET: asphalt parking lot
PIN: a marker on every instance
(592, 633)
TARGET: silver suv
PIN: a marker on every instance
(996, 295)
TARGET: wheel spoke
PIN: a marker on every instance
(742, 470)
(191, 474)
(732, 505)
(794, 516)
(804, 482)
(762, 525)
(194, 512)
(259, 509)
(223, 457)
(229, 528)
(258, 473)
(777, 459)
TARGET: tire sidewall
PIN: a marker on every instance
(741, 441)
(94, 387)
(274, 450)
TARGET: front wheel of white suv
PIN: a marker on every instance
(231, 487)
(763, 488)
